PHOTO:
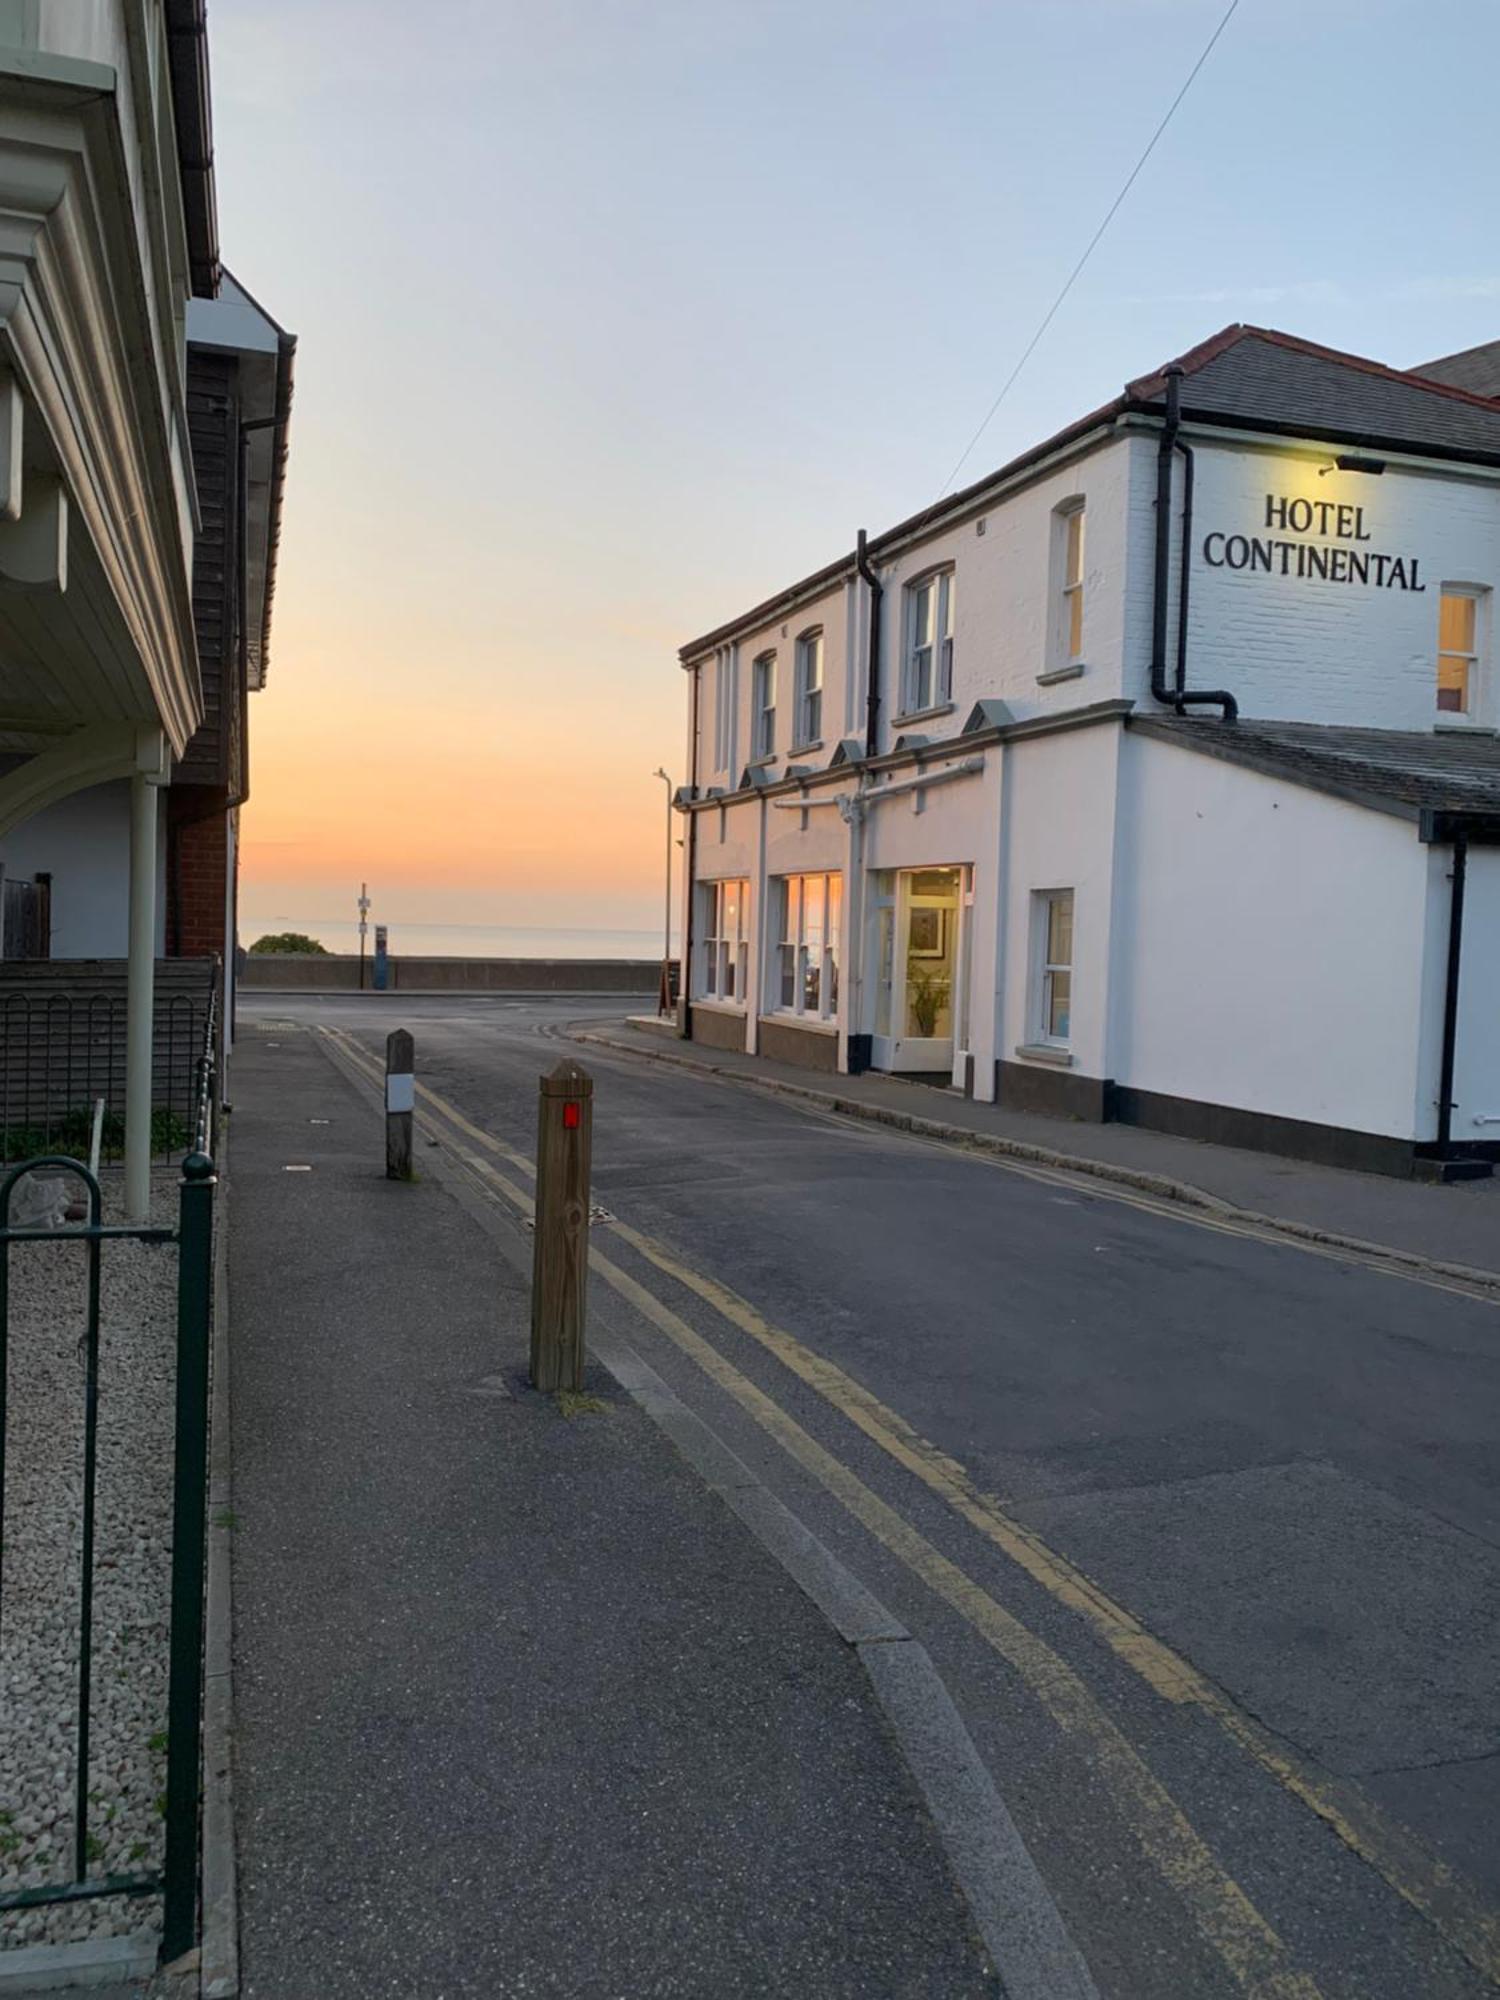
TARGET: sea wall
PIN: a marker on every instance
(340, 973)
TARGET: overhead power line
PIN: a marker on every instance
(1093, 244)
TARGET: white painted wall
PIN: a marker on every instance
(1268, 945)
(1288, 647)
(1476, 1069)
(1056, 832)
(1006, 593)
(1310, 650)
(731, 665)
(84, 842)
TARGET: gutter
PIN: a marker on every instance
(286, 351)
(1094, 713)
(872, 670)
(875, 795)
(1450, 994)
(192, 118)
(690, 865)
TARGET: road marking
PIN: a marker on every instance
(1249, 1947)
(1223, 1218)
(1405, 1863)
(1424, 1881)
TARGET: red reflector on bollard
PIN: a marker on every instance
(572, 1117)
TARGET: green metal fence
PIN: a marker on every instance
(176, 1880)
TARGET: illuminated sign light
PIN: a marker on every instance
(1334, 520)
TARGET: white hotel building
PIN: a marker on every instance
(1155, 777)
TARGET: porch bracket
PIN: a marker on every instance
(92, 754)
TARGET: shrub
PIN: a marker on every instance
(290, 941)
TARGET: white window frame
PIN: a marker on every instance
(927, 645)
(796, 958)
(1478, 595)
(1046, 969)
(763, 707)
(1070, 592)
(808, 686)
(726, 694)
(726, 946)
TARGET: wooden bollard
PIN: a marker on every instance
(560, 1256)
(400, 1100)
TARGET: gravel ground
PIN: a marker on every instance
(39, 1610)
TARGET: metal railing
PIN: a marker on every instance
(205, 1080)
(61, 1054)
(177, 1877)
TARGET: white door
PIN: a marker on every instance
(915, 916)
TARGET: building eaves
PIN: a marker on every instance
(286, 354)
(1242, 377)
(953, 504)
(192, 116)
(1409, 773)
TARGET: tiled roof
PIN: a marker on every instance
(1269, 378)
(1476, 369)
(1403, 771)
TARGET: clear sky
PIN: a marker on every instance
(616, 315)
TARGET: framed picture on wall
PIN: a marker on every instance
(928, 933)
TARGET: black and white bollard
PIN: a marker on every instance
(400, 1102)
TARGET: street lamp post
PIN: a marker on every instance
(664, 998)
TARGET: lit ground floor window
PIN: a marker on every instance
(811, 919)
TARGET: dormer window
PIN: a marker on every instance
(763, 707)
(927, 675)
(809, 691)
(1459, 610)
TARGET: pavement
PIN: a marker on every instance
(1198, 1524)
(1459, 1224)
(521, 1707)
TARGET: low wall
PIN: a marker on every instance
(339, 973)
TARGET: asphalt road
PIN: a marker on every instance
(1200, 1530)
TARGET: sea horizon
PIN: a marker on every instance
(440, 940)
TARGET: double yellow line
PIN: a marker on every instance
(1247, 1945)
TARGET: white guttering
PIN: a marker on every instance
(874, 795)
(1277, 445)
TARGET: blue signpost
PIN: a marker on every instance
(382, 962)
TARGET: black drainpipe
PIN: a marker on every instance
(1179, 696)
(872, 690)
(690, 854)
(1450, 995)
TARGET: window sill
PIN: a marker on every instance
(762, 763)
(1459, 726)
(805, 749)
(715, 1005)
(1071, 672)
(786, 1018)
(1045, 1052)
(922, 714)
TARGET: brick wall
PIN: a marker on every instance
(197, 864)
